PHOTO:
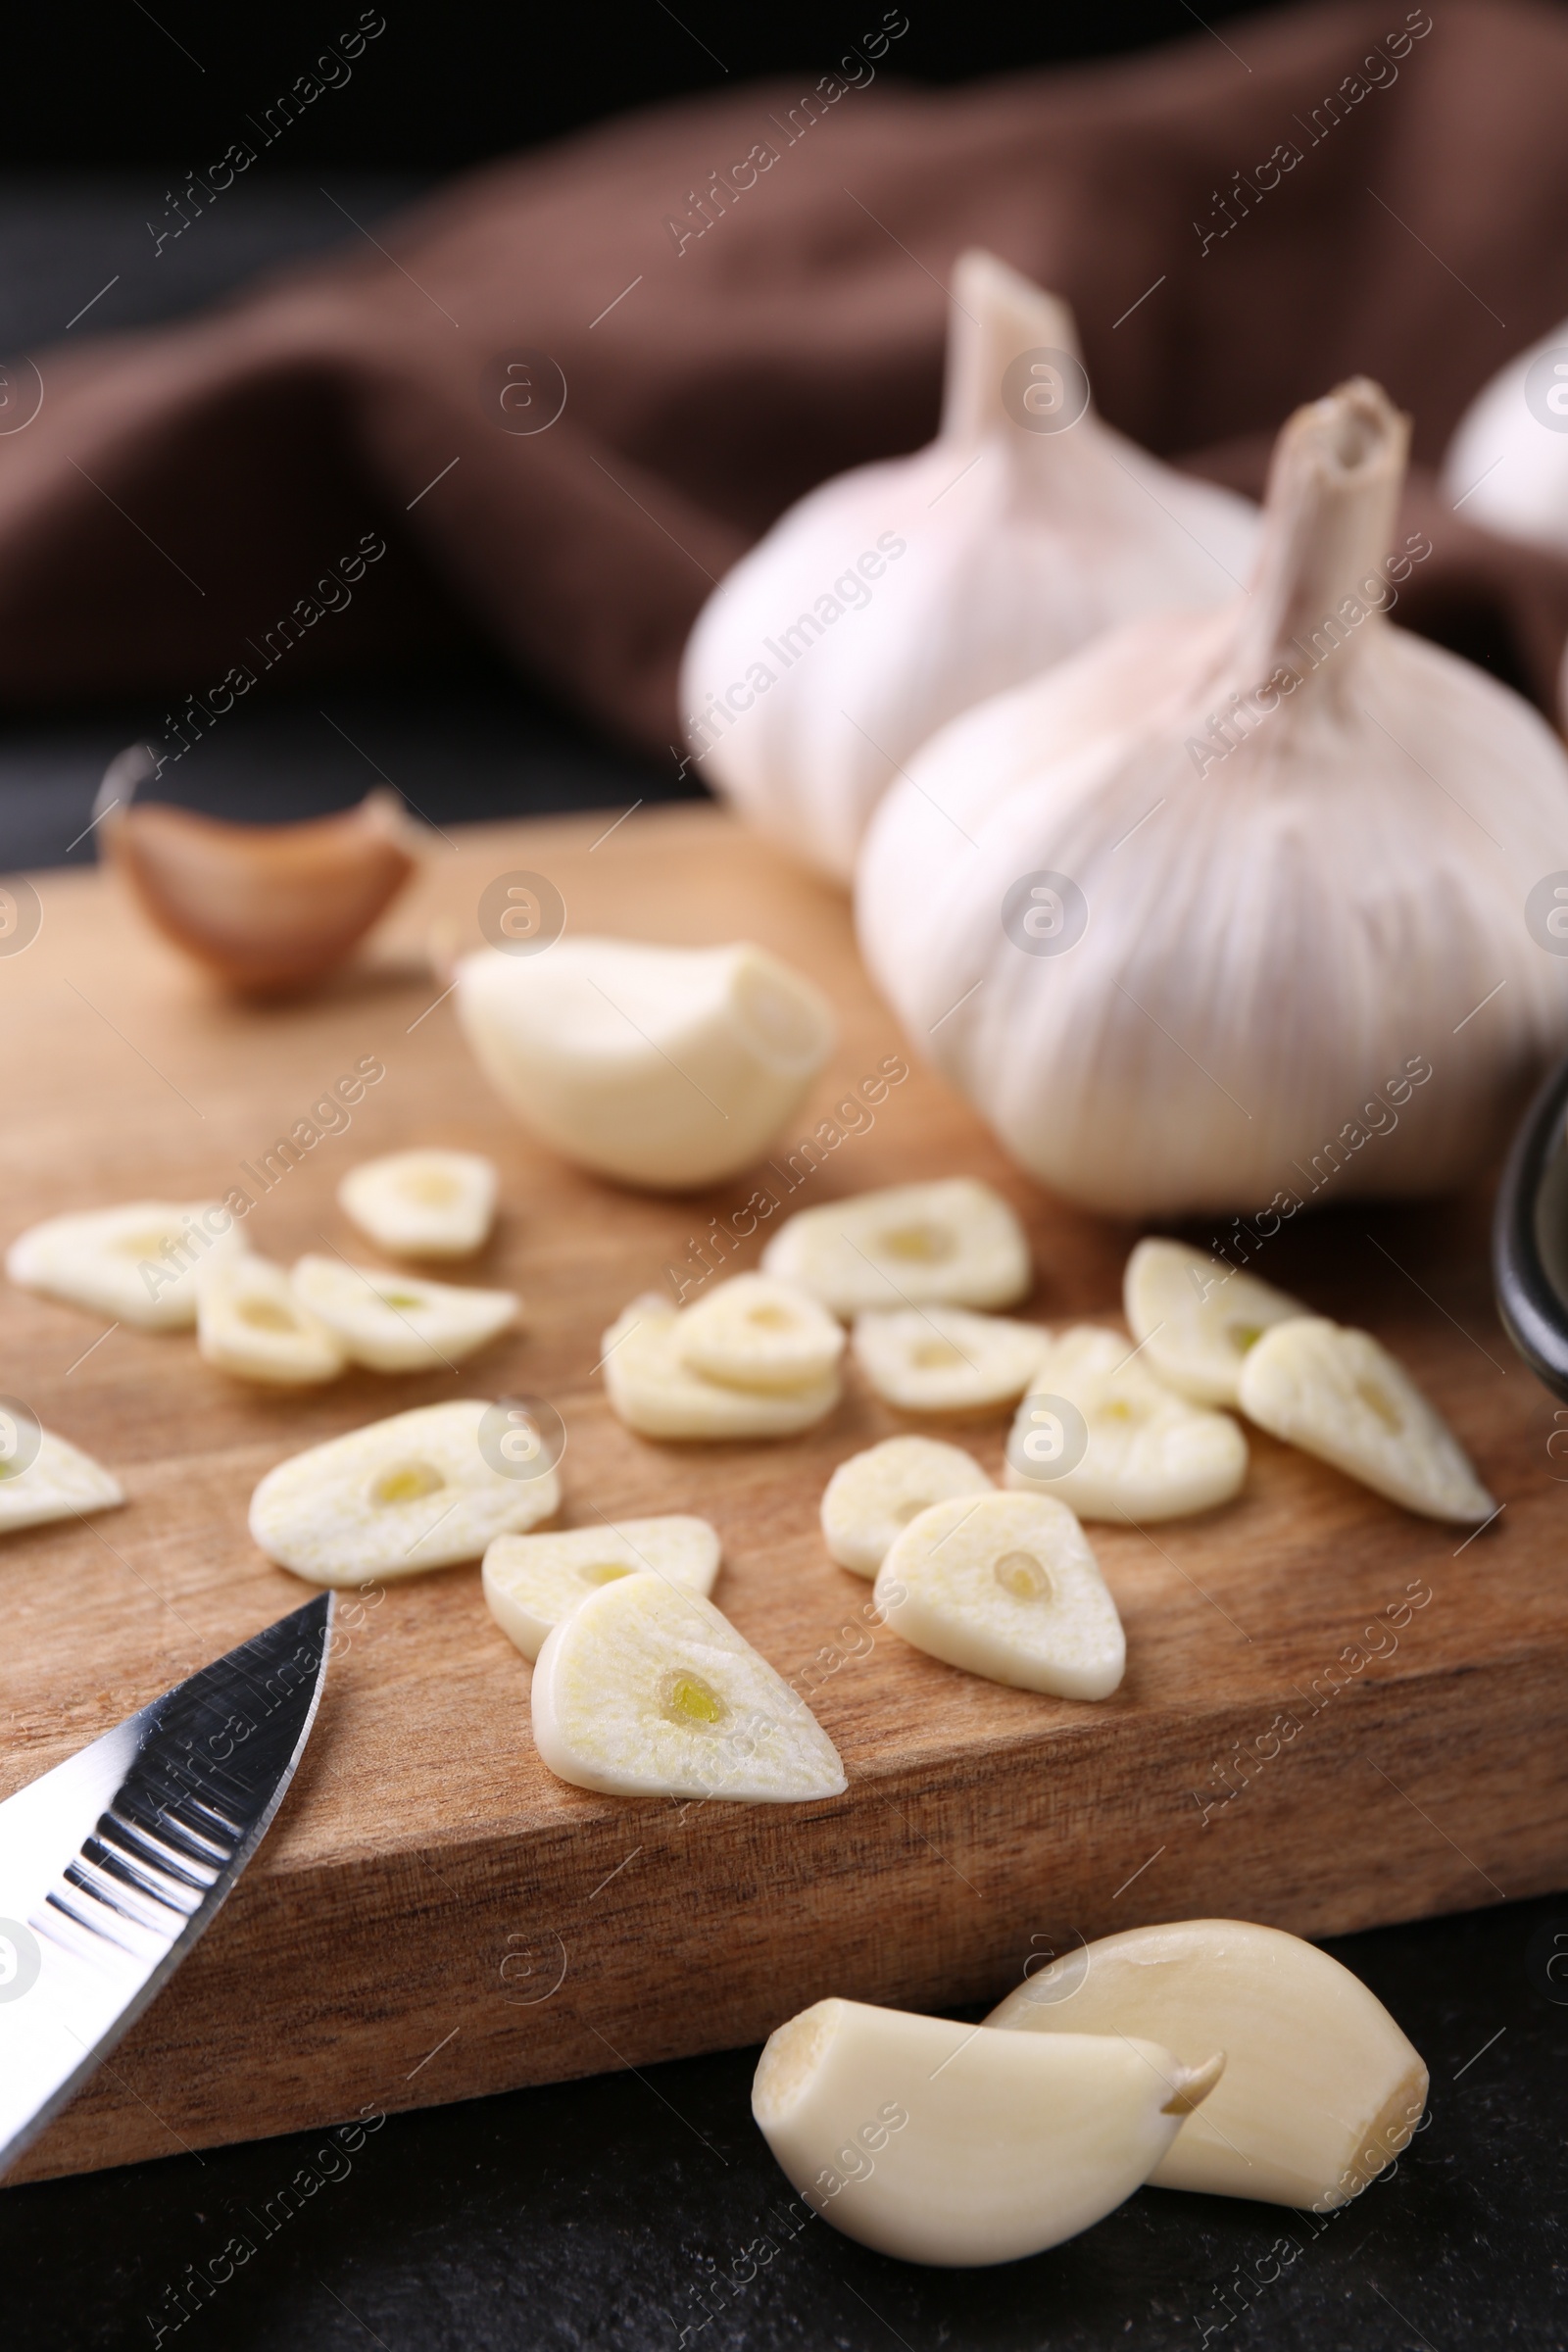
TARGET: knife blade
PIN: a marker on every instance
(113, 1863)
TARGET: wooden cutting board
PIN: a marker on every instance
(433, 1915)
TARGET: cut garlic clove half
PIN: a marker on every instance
(532, 1581)
(250, 1322)
(424, 1203)
(659, 1395)
(872, 1499)
(956, 1243)
(754, 1331)
(400, 1496)
(1102, 1435)
(1336, 1392)
(400, 1322)
(946, 2143)
(947, 1360)
(1195, 1319)
(1005, 1586)
(1320, 2091)
(646, 1691)
(662, 1067)
(138, 1264)
(43, 1477)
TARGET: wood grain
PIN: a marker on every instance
(433, 1915)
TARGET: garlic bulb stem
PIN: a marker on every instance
(997, 314)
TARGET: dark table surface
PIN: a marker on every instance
(645, 2210)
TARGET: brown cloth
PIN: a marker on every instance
(746, 294)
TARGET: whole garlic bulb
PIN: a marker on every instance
(897, 595)
(1507, 461)
(1238, 902)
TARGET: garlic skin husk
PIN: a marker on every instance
(1321, 2090)
(1505, 463)
(1172, 992)
(950, 2145)
(664, 1067)
(956, 572)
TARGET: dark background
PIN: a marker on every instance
(599, 2214)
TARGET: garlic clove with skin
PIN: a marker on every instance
(902, 593)
(953, 2145)
(1321, 2091)
(1194, 1319)
(1105, 1438)
(872, 1498)
(1228, 912)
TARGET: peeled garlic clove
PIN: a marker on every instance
(267, 907)
(655, 1393)
(872, 1499)
(422, 1203)
(1083, 898)
(955, 1243)
(394, 1498)
(646, 1691)
(1104, 1437)
(43, 1477)
(754, 1331)
(950, 2144)
(532, 1581)
(1334, 1393)
(1194, 1319)
(1320, 2089)
(250, 1322)
(1005, 1586)
(138, 1264)
(400, 1322)
(666, 1067)
(903, 593)
(944, 1359)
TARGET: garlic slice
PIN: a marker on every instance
(391, 1500)
(1194, 1319)
(1005, 1586)
(1320, 2091)
(954, 1242)
(1104, 1437)
(950, 2145)
(1336, 1392)
(138, 1264)
(400, 1322)
(654, 1392)
(532, 1581)
(250, 1322)
(872, 1499)
(43, 1477)
(947, 1360)
(424, 1203)
(754, 1331)
(666, 1067)
(646, 1691)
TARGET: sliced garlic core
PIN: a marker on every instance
(655, 1393)
(956, 1243)
(754, 1331)
(424, 1203)
(1336, 1392)
(400, 1322)
(43, 1477)
(1005, 1586)
(870, 1499)
(532, 1581)
(662, 1067)
(1109, 1440)
(1320, 2091)
(947, 1360)
(138, 1264)
(1196, 1319)
(946, 2143)
(250, 1322)
(400, 1496)
(646, 1691)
